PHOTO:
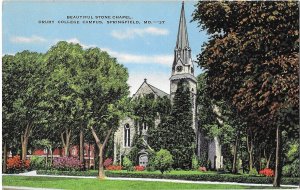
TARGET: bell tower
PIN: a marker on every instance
(183, 67)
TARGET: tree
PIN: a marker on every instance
(163, 160)
(251, 60)
(104, 89)
(9, 127)
(157, 135)
(22, 88)
(63, 83)
(179, 135)
(87, 89)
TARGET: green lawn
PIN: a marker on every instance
(91, 184)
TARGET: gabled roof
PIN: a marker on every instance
(158, 92)
(147, 88)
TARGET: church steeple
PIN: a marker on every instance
(182, 63)
(183, 67)
(182, 36)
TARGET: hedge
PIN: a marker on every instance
(68, 173)
(191, 177)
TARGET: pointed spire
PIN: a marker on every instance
(182, 36)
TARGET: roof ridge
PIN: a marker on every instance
(156, 88)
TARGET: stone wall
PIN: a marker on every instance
(214, 153)
(119, 148)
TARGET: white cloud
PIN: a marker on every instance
(132, 33)
(32, 39)
(140, 59)
(160, 80)
(75, 41)
(164, 59)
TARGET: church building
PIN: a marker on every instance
(182, 69)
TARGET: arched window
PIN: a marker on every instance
(126, 135)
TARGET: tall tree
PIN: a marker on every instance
(252, 59)
(23, 85)
(104, 89)
(157, 135)
(9, 127)
(63, 62)
(180, 136)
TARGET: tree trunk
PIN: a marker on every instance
(95, 157)
(4, 157)
(52, 157)
(235, 148)
(47, 157)
(81, 146)
(250, 151)
(24, 142)
(278, 165)
(101, 147)
(268, 161)
(101, 167)
(90, 156)
(66, 142)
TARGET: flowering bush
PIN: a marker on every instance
(202, 169)
(15, 164)
(67, 163)
(107, 162)
(139, 168)
(267, 172)
(114, 167)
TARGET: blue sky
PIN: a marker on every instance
(145, 49)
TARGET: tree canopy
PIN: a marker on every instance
(251, 61)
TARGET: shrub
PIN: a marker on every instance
(37, 162)
(267, 172)
(195, 162)
(163, 161)
(253, 172)
(202, 169)
(139, 168)
(114, 167)
(205, 177)
(107, 162)
(292, 170)
(127, 164)
(191, 177)
(67, 164)
(151, 157)
(15, 164)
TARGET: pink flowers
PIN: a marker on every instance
(67, 163)
(107, 162)
(139, 168)
(267, 172)
(202, 169)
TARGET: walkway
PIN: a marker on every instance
(25, 188)
(33, 173)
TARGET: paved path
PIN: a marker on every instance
(25, 188)
(33, 173)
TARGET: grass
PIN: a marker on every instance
(93, 184)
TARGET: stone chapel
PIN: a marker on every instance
(182, 68)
